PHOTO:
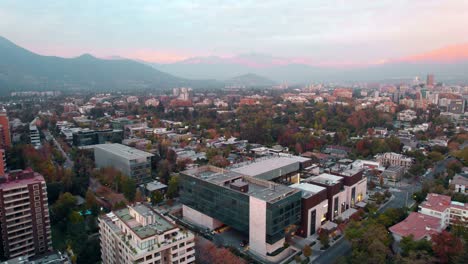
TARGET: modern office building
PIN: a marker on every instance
(132, 162)
(24, 215)
(335, 193)
(314, 208)
(258, 208)
(5, 139)
(94, 137)
(138, 234)
(344, 190)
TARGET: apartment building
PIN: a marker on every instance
(435, 214)
(261, 209)
(441, 206)
(132, 162)
(24, 215)
(2, 162)
(5, 138)
(139, 234)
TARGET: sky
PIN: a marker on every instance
(321, 31)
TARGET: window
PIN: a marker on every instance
(335, 207)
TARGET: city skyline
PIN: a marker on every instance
(320, 33)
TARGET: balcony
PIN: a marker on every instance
(25, 191)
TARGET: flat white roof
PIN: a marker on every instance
(261, 166)
(124, 151)
(326, 178)
(311, 188)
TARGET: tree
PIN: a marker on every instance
(139, 196)
(156, 197)
(408, 245)
(164, 171)
(324, 238)
(219, 161)
(307, 251)
(128, 188)
(62, 208)
(446, 246)
(172, 188)
(75, 217)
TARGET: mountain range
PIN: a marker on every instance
(448, 65)
(21, 69)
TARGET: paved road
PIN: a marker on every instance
(68, 163)
(341, 248)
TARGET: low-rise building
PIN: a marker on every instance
(132, 162)
(394, 159)
(460, 183)
(139, 234)
(434, 215)
(418, 225)
(407, 115)
(393, 173)
(89, 137)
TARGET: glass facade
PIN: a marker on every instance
(282, 214)
(232, 207)
(225, 205)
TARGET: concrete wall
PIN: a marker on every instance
(320, 210)
(257, 226)
(444, 217)
(342, 197)
(104, 159)
(199, 218)
(361, 188)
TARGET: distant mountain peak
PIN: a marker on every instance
(250, 80)
(86, 56)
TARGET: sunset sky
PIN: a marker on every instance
(319, 31)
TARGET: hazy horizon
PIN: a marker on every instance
(318, 32)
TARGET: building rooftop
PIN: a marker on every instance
(20, 178)
(154, 185)
(276, 165)
(436, 202)
(308, 189)
(258, 188)
(459, 180)
(417, 224)
(158, 226)
(124, 151)
(325, 178)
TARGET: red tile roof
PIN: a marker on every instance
(436, 202)
(417, 224)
